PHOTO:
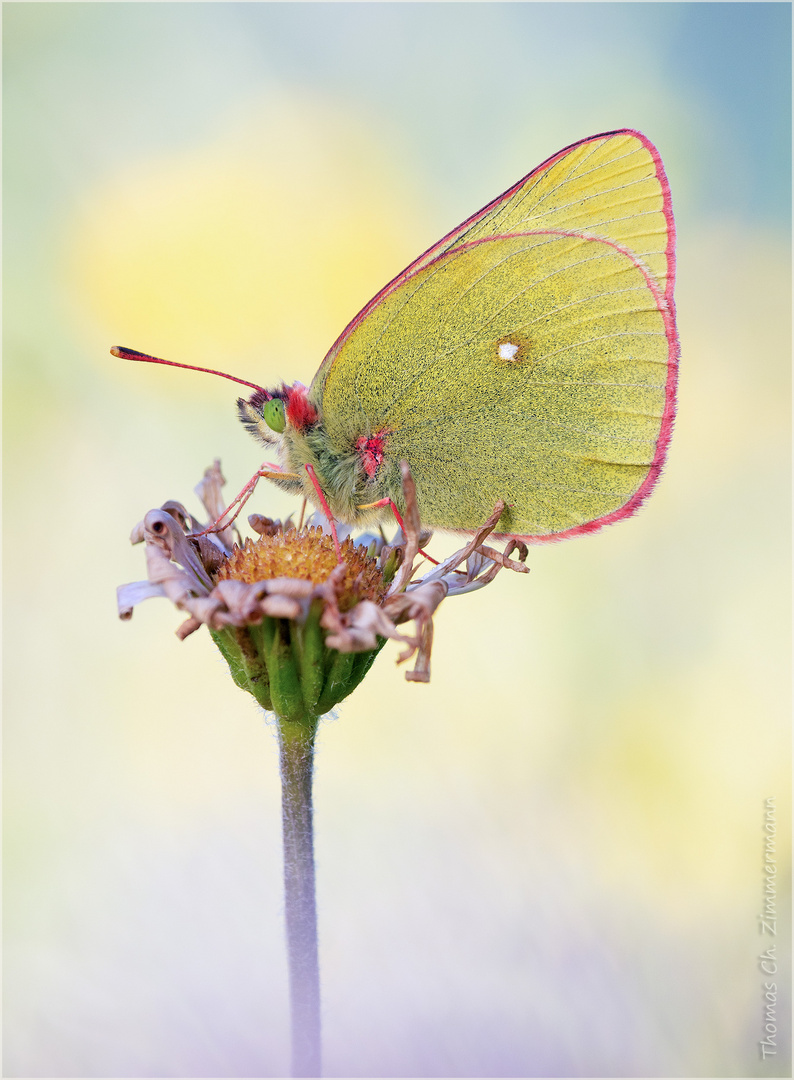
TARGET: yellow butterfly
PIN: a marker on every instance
(530, 356)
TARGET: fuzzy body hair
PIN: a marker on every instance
(339, 469)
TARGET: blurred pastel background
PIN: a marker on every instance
(549, 861)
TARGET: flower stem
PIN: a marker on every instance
(297, 757)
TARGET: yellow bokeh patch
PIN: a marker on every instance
(248, 251)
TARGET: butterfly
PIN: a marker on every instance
(528, 357)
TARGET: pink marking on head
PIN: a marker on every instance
(371, 449)
(300, 412)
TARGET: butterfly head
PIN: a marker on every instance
(268, 414)
(352, 474)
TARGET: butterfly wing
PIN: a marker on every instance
(612, 186)
(529, 356)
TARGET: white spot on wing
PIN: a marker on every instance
(507, 350)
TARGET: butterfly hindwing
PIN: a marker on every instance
(529, 368)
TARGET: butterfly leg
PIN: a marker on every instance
(326, 508)
(240, 500)
(400, 522)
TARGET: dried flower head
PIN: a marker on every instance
(299, 628)
(308, 554)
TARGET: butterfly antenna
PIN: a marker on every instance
(133, 354)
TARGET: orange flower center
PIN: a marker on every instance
(308, 555)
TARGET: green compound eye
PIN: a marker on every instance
(273, 415)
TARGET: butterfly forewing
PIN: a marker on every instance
(611, 187)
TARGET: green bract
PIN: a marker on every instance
(286, 665)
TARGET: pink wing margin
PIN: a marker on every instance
(665, 303)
